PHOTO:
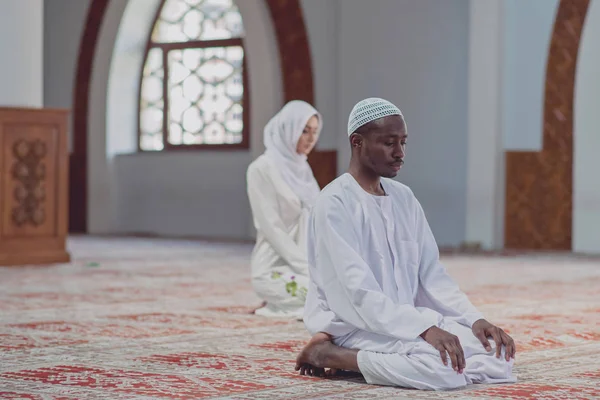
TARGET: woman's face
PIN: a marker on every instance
(309, 136)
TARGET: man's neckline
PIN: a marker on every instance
(385, 192)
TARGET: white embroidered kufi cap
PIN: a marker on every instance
(369, 110)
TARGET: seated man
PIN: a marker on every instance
(379, 301)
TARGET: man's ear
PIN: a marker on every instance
(356, 140)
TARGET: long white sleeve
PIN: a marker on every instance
(263, 202)
(353, 292)
(441, 292)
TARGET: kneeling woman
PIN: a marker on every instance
(282, 189)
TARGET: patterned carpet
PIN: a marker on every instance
(159, 319)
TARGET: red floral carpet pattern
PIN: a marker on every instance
(158, 319)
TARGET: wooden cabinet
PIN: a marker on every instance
(33, 186)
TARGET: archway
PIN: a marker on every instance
(83, 77)
(297, 77)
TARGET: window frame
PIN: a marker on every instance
(192, 44)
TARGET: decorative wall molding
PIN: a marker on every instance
(29, 171)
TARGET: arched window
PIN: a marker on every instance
(194, 91)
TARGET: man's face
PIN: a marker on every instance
(382, 145)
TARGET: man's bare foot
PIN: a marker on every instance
(313, 357)
(321, 353)
(315, 352)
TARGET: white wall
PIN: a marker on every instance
(586, 176)
(63, 27)
(415, 54)
(527, 29)
(22, 49)
(102, 205)
(196, 194)
(124, 75)
(322, 24)
(485, 172)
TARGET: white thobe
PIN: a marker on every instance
(280, 248)
(376, 284)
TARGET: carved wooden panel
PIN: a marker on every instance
(33, 189)
(29, 155)
(539, 186)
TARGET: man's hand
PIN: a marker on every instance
(444, 342)
(483, 330)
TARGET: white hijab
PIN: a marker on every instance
(281, 137)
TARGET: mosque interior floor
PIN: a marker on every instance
(156, 318)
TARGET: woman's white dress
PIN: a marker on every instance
(279, 260)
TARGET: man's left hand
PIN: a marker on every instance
(482, 329)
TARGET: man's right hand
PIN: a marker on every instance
(444, 342)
